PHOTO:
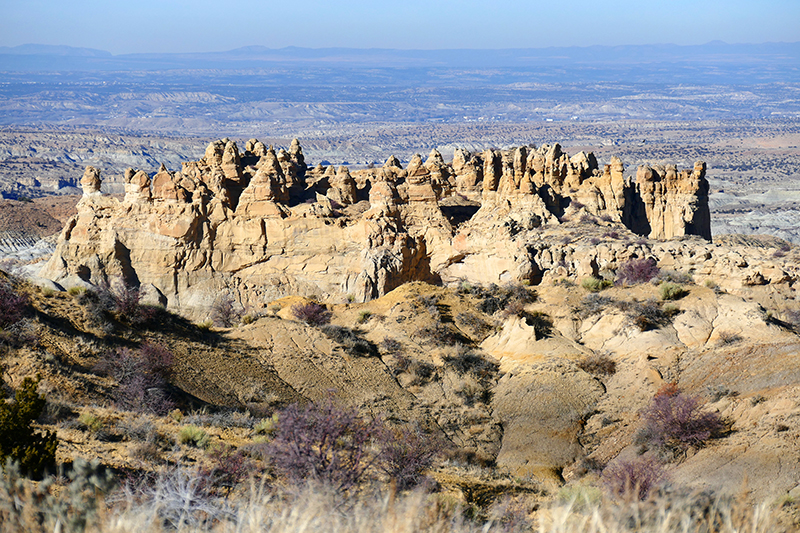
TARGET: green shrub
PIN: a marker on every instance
(34, 451)
(90, 422)
(266, 426)
(193, 436)
(593, 284)
(76, 291)
(671, 291)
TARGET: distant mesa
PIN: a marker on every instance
(262, 223)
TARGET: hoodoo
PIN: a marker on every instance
(262, 224)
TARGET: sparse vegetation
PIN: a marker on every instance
(594, 304)
(637, 477)
(224, 313)
(599, 364)
(351, 340)
(728, 337)
(142, 377)
(464, 359)
(364, 316)
(671, 291)
(312, 313)
(647, 315)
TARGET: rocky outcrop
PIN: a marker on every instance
(261, 224)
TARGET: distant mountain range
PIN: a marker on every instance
(771, 61)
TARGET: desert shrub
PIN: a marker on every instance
(405, 455)
(137, 428)
(729, 337)
(267, 425)
(228, 467)
(312, 313)
(495, 298)
(647, 315)
(193, 436)
(141, 376)
(224, 313)
(593, 284)
(122, 303)
(13, 305)
(391, 346)
(440, 334)
(56, 410)
(76, 291)
(422, 370)
(675, 421)
(634, 271)
(90, 422)
(473, 322)
(323, 442)
(594, 304)
(147, 451)
(34, 451)
(598, 363)
(671, 291)
(636, 477)
(364, 316)
(71, 502)
(465, 360)
(221, 418)
(673, 276)
(352, 342)
(717, 392)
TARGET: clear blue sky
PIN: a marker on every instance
(205, 25)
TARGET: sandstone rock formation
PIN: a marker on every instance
(263, 225)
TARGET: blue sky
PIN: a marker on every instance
(204, 25)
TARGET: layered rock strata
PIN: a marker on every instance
(261, 224)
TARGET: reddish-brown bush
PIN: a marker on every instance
(675, 421)
(324, 442)
(636, 477)
(634, 271)
(312, 313)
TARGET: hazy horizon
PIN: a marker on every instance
(201, 26)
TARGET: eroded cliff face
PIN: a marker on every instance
(259, 225)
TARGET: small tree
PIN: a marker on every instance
(34, 451)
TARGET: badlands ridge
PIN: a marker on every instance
(261, 224)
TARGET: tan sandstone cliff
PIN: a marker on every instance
(261, 224)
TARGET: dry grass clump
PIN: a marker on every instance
(178, 500)
(599, 364)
